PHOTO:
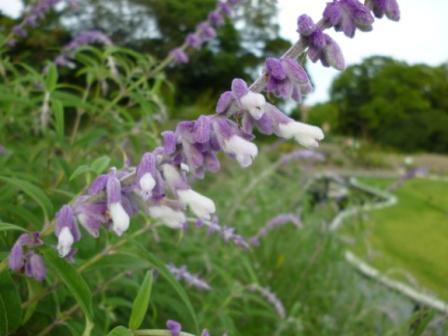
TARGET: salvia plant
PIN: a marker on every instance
(121, 216)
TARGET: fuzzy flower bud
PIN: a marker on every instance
(174, 327)
(172, 218)
(306, 135)
(389, 8)
(200, 205)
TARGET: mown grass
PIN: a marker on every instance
(409, 238)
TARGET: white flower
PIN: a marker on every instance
(170, 217)
(65, 242)
(170, 174)
(120, 218)
(200, 205)
(254, 103)
(304, 134)
(244, 151)
(147, 182)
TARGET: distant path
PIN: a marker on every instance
(387, 200)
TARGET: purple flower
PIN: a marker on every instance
(286, 78)
(23, 259)
(274, 222)
(91, 215)
(3, 150)
(225, 8)
(181, 273)
(303, 154)
(84, 38)
(270, 297)
(205, 31)
(193, 41)
(180, 57)
(32, 18)
(147, 174)
(215, 18)
(174, 327)
(120, 218)
(226, 232)
(321, 46)
(241, 100)
(34, 267)
(389, 8)
(347, 15)
(205, 333)
(66, 230)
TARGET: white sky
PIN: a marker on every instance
(420, 37)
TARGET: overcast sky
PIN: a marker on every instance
(420, 37)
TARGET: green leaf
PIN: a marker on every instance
(141, 302)
(80, 170)
(100, 164)
(10, 227)
(120, 331)
(165, 273)
(51, 79)
(3, 319)
(73, 280)
(11, 298)
(34, 288)
(32, 191)
(58, 112)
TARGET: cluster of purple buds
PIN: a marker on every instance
(303, 154)
(270, 296)
(347, 16)
(204, 31)
(182, 273)
(275, 222)
(23, 258)
(160, 184)
(36, 14)
(227, 233)
(287, 78)
(320, 45)
(85, 38)
(175, 328)
(384, 7)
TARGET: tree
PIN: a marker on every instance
(393, 103)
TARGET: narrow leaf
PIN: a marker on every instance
(73, 280)
(3, 319)
(32, 191)
(10, 227)
(51, 79)
(58, 112)
(34, 288)
(141, 302)
(120, 331)
(100, 164)
(11, 298)
(165, 273)
(79, 171)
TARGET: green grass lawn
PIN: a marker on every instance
(411, 236)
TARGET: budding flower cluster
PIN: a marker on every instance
(205, 31)
(160, 185)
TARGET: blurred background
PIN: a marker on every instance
(386, 123)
